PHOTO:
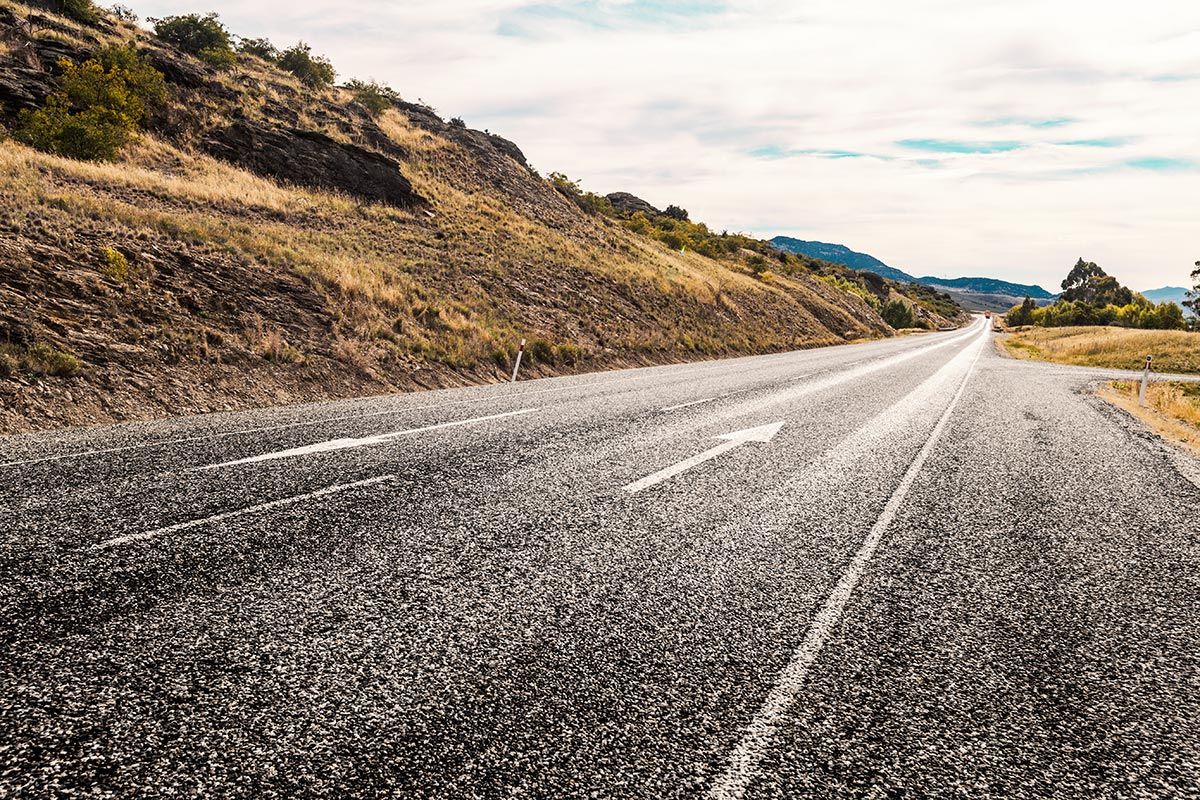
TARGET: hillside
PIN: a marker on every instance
(840, 254)
(1169, 294)
(263, 241)
(977, 294)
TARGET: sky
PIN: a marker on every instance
(945, 137)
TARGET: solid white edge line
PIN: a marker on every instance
(746, 757)
(137, 537)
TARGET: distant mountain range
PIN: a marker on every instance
(987, 294)
(1168, 294)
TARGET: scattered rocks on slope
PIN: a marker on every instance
(309, 158)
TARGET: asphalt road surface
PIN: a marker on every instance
(909, 568)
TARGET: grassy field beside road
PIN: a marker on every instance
(1114, 348)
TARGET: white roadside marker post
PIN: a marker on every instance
(517, 366)
(1145, 382)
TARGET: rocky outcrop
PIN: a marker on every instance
(508, 148)
(629, 204)
(309, 158)
(22, 87)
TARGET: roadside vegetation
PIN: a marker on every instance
(99, 107)
(1092, 297)
(673, 227)
(1108, 347)
(1172, 409)
(176, 279)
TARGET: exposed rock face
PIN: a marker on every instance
(22, 87)
(508, 148)
(308, 158)
(184, 71)
(629, 204)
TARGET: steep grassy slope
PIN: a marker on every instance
(172, 281)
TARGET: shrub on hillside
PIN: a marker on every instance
(898, 314)
(100, 105)
(261, 48)
(201, 35)
(314, 71)
(80, 11)
(375, 97)
(123, 13)
(40, 359)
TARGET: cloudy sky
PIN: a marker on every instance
(946, 137)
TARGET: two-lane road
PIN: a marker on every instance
(910, 567)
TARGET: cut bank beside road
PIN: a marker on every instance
(263, 241)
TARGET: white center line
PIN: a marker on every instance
(685, 405)
(137, 537)
(747, 756)
(344, 444)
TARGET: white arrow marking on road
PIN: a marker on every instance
(685, 405)
(343, 444)
(763, 433)
(286, 501)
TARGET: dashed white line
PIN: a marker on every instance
(345, 444)
(341, 487)
(747, 756)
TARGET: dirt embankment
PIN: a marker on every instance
(197, 273)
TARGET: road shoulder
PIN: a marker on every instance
(1181, 440)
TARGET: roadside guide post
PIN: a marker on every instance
(1145, 382)
(517, 366)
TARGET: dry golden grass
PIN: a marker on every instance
(1172, 409)
(158, 169)
(1115, 348)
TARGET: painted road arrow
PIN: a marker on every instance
(345, 444)
(763, 433)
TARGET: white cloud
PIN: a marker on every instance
(671, 101)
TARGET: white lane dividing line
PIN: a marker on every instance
(745, 760)
(345, 444)
(762, 433)
(686, 405)
(182, 526)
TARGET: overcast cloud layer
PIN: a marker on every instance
(947, 138)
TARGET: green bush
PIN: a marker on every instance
(115, 265)
(540, 351)
(314, 71)
(898, 314)
(259, 47)
(201, 35)
(40, 359)
(853, 288)
(375, 97)
(1140, 313)
(99, 106)
(80, 11)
